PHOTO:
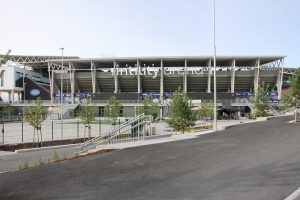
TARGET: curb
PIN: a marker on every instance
(294, 196)
(45, 148)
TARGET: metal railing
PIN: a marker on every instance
(133, 127)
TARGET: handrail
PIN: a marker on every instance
(111, 133)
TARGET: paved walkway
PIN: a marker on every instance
(249, 162)
(11, 160)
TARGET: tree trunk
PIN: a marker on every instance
(89, 131)
(33, 137)
(40, 128)
(296, 115)
(84, 134)
(38, 136)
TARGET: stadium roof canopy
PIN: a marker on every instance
(222, 61)
(33, 60)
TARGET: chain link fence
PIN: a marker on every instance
(21, 132)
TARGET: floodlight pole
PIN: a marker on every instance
(215, 74)
(61, 93)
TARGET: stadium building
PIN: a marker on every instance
(130, 79)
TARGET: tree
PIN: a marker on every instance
(206, 111)
(261, 102)
(182, 116)
(149, 108)
(87, 115)
(7, 112)
(292, 98)
(35, 116)
(113, 109)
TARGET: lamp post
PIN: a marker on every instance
(215, 74)
(61, 93)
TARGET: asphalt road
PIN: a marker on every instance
(247, 162)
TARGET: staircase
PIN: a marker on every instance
(134, 128)
(271, 109)
(68, 111)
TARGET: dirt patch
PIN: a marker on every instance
(13, 147)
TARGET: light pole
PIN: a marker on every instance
(215, 74)
(61, 93)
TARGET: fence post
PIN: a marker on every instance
(3, 132)
(22, 131)
(52, 129)
(99, 127)
(77, 128)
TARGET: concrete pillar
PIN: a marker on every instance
(209, 77)
(256, 76)
(13, 97)
(280, 78)
(72, 78)
(138, 76)
(93, 73)
(9, 97)
(185, 77)
(116, 78)
(232, 80)
(161, 92)
(51, 82)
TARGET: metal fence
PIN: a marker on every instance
(22, 132)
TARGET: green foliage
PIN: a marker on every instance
(113, 109)
(206, 111)
(7, 111)
(55, 157)
(149, 108)
(292, 98)
(36, 115)
(182, 116)
(24, 165)
(261, 102)
(87, 113)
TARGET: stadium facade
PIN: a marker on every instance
(132, 78)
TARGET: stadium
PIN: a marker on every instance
(130, 79)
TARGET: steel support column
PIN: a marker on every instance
(232, 81)
(116, 78)
(138, 76)
(72, 80)
(256, 76)
(93, 73)
(280, 78)
(161, 90)
(185, 77)
(209, 77)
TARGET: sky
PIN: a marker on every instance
(107, 28)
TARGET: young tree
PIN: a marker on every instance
(7, 112)
(206, 111)
(261, 102)
(182, 116)
(113, 109)
(292, 98)
(149, 108)
(35, 116)
(87, 115)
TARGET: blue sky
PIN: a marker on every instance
(99, 28)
